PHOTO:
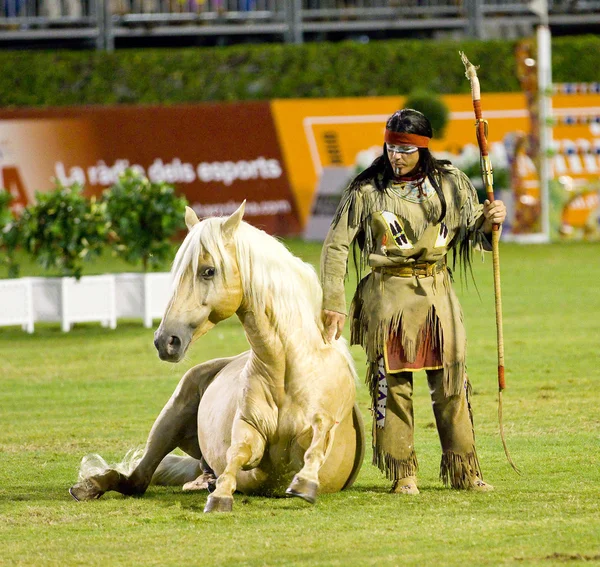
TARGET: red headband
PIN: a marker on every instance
(399, 138)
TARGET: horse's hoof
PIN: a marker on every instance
(203, 482)
(305, 489)
(218, 504)
(85, 490)
(195, 485)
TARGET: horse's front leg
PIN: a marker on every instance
(306, 482)
(246, 451)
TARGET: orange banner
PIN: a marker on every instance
(324, 136)
(316, 134)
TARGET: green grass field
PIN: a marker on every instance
(64, 395)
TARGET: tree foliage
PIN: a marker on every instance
(62, 229)
(432, 106)
(143, 216)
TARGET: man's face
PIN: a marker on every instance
(403, 158)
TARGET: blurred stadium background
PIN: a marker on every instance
(109, 24)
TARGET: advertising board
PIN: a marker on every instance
(215, 154)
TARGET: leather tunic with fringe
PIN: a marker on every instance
(399, 227)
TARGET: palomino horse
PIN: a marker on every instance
(280, 415)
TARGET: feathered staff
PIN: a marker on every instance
(481, 127)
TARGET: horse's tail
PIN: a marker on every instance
(173, 470)
(94, 465)
(176, 471)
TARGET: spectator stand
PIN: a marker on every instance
(32, 23)
(107, 24)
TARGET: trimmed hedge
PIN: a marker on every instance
(267, 71)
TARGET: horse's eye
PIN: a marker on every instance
(207, 273)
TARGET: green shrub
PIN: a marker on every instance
(9, 234)
(143, 217)
(63, 229)
(432, 106)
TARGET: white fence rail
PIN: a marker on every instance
(104, 299)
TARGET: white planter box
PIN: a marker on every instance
(16, 303)
(104, 298)
(91, 298)
(142, 295)
(47, 302)
(130, 295)
(68, 301)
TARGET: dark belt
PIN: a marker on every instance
(419, 269)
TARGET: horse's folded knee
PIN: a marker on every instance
(254, 462)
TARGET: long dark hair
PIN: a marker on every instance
(380, 172)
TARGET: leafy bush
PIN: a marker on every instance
(432, 106)
(9, 234)
(143, 217)
(63, 229)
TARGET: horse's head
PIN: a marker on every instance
(207, 285)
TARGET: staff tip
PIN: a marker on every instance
(470, 69)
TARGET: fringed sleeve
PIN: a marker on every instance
(334, 255)
(470, 235)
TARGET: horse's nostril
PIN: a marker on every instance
(174, 341)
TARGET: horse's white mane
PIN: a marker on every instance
(274, 280)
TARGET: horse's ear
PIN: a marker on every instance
(191, 219)
(231, 224)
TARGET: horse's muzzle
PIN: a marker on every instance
(171, 347)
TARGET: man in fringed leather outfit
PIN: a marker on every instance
(405, 212)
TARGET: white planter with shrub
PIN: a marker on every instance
(63, 229)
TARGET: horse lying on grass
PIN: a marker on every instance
(278, 418)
